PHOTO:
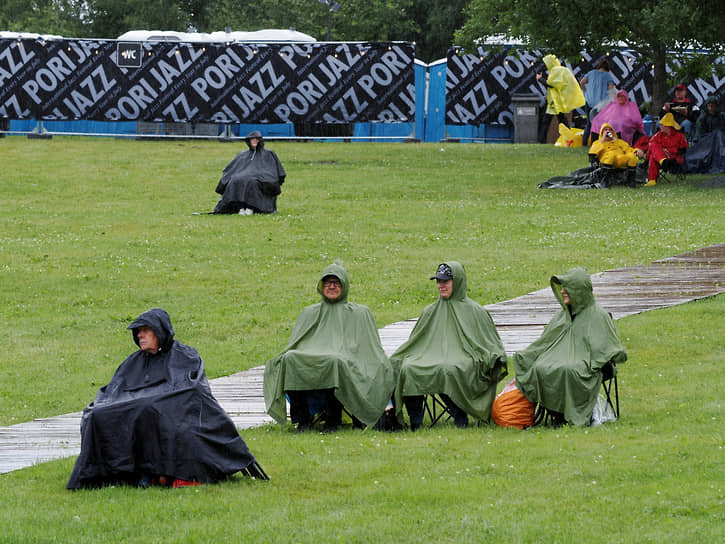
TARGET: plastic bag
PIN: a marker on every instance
(569, 137)
(603, 412)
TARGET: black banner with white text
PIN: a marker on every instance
(218, 83)
(479, 87)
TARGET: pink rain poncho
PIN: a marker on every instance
(625, 118)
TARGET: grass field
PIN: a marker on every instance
(95, 231)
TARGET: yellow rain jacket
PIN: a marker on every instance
(563, 93)
(615, 153)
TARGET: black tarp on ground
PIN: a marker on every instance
(598, 177)
(158, 417)
(252, 180)
(707, 156)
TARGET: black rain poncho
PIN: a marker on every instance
(455, 349)
(334, 345)
(707, 156)
(561, 370)
(252, 180)
(157, 417)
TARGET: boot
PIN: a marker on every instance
(414, 406)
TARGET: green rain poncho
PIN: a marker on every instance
(333, 345)
(455, 349)
(562, 368)
(563, 93)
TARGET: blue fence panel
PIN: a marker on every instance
(436, 110)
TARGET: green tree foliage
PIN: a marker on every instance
(429, 23)
(308, 16)
(436, 21)
(60, 17)
(356, 20)
(660, 30)
(111, 18)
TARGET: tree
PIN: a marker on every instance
(436, 22)
(60, 17)
(662, 31)
(356, 20)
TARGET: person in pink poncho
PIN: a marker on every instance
(623, 115)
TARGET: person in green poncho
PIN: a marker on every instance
(334, 353)
(453, 351)
(561, 370)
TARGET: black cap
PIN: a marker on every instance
(444, 273)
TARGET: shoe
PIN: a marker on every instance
(184, 483)
(303, 427)
(461, 423)
(650, 183)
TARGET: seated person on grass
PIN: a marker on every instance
(710, 119)
(707, 154)
(156, 422)
(334, 352)
(666, 149)
(561, 370)
(453, 351)
(251, 182)
(682, 109)
(610, 150)
(623, 115)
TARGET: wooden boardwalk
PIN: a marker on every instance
(623, 291)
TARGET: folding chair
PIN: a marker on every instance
(544, 416)
(436, 409)
(671, 171)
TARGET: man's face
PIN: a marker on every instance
(711, 108)
(253, 142)
(608, 134)
(147, 340)
(565, 296)
(680, 95)
(621, 99)
(666, 129)
(331, 288)
(445, 288)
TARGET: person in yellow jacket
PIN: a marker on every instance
(613, 151)
(563, 93)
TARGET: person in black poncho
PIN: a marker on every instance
(251, 182)
(157, 421)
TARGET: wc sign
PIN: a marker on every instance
(128, 55)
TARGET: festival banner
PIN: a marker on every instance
(62, 79)
(479, 87)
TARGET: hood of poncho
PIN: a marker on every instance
(578, 285)
(159, 322)
(338, 270)
(254, 134)
(551, 61)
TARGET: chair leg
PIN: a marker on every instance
(436, 409)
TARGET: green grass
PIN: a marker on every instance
(95, 231)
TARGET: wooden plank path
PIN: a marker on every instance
(623, 291)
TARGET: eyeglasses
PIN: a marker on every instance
(331, 283)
